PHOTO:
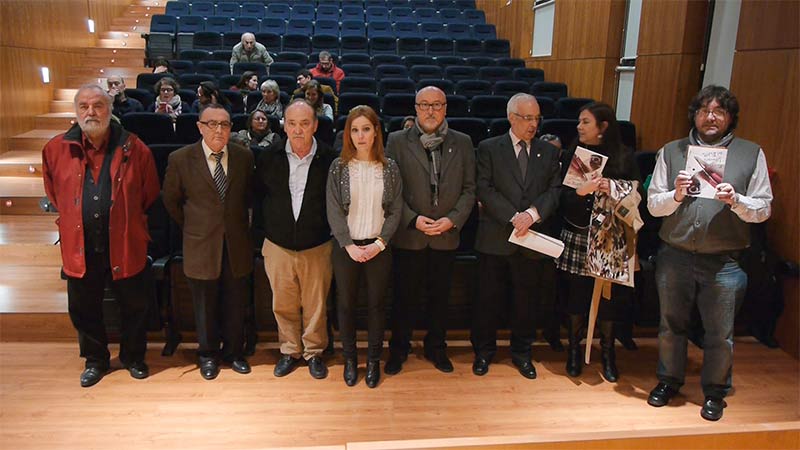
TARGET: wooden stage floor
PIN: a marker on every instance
(42, 405)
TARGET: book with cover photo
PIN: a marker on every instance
(585, 165)
(707, 167)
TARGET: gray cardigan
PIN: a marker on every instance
(338, 200)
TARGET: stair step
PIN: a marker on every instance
(38, 255)
(63, 106)
(21, 195)
(21, 163)
(55, 121)
(113, 62)
(118, 53)
(28, 230)
(145, 9)
(104, 71)
(33, 139)
(67, 95)
(129, 43)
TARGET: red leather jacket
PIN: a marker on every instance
(134, 187)
(336, 73)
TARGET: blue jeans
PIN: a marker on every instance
(717, 285)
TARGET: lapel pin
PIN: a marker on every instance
(449, 150)
(538, 155)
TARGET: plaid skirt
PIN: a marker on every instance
(576, 245)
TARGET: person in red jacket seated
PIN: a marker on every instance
(102, 180)
(327, 69)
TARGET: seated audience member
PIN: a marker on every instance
(257, 132)
(364, 205)
(250, 51)
(303, 77)
(247, 83)
(167, 99)
(316, 100)
(270, 101)
(408, 122)
(207, 94)
(327, 69)
(122, 103)
(161, 65)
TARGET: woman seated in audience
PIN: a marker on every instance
(270, 99)
(364, 205)
(599, 132)
(315, 98)
(208, 93)
(247, 83)
(167, 99)
(257, 133)
(161, 65)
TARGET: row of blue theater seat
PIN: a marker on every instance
(357, 27)
(436, 4)
(311, 12)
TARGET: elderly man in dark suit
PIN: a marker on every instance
(518, 188)
(438, 170)
(208, 191)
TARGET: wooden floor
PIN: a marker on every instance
(43, 407)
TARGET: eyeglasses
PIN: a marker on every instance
(167, 89)
(718, 113)
(213, 124)
(528, 118)
(428, 106)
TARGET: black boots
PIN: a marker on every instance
(574, 360)
(608, 355)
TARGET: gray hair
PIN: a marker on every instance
(324, 55)
(271, 85)
(300, 103)
(516, 100)
(247, 33)
(109, 100)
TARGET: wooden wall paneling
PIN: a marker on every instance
(676, 26)
(514, 22)
(590, 78)
(665, 84)
(104, 11)
(768, 25)
(45, 24)
(786, 331)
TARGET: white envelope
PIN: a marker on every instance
(538, 242)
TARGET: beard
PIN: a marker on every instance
(94, 127)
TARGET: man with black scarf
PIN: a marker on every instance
(438, 170)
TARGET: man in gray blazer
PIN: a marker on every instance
(437, 166)
(518, 187)
(208, 192)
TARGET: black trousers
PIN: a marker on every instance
(532, 284)
(348, 274)
(219, 310)
(418, 274)
(85, 300)
(575, 295)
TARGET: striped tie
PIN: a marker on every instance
(219, 176)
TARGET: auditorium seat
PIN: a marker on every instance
(379, 45)
(471, 88)
(528, 75)
(273, 25)
(355, 58)
(186, 130)
(401, 14)
(378, 28)
(357, 70)
(325, 131)
(451, 15)
(353, 28)
(215, 68)
(628, 131)
(296, 43)
(488, 106)
(439, 46)
(419, 72)
(272, 41)
(465, 4)
(474, 128)
(406, 29)
(353, 44)
(480, 61)
(509, 88)
(218, 24)
(468, 47)
(568, 107)
(328, 12)
(146, 81)
(446, 61)
(293, 57)
(228, 9)
(396, 86)
(160, 41)
(447, 86)
(459, 31)
(352, 12)
(426, 15)
(474, 16)
(152, 128)
(377, 13)
(285, 68)
(418, 60)
(188, 96)
(484, 31)
(145, 96)
(251, 9)
(259, 68)
(457, 106)
(549, 89)
(497, 48)
(547, 107)
(358, 84)
(513, 63)
(349, 100)
(192, 80)
(565, 129)
(432, 29)
(303, 11)
(221, 55)
(493, 74)
(459, 73)
(410, 46)
(279, 11)
(176, 9)
(378, 60)
(204, 9)
(499, 127)
(207, 40)
(397, 105)
(391, 71)
(235, 99)
(228, 81)
(231, 38)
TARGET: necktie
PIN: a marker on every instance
(522, 158)
(219, 176)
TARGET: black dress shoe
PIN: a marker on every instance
(712, 408)
(525, 368)
(480, 366)
(555, 343)
(91, 375)
(209, 369)
(373, 373)
(440, 360)
(350, 371)
(395, 363)
(139, 370)
(240, 366)
(661, 395)
(628, 343)
(317, 368)
(285, 365)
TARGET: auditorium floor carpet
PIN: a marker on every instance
(42, 405)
